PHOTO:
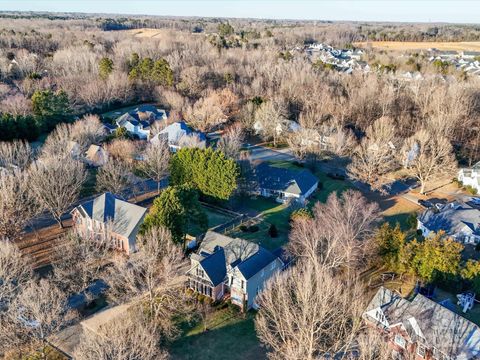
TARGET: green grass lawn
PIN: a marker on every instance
(328, 186)
(89, 187)
(271, 213)
(215, 218)
(229, 335)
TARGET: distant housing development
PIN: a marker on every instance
(224, 265)
(422, 328)
(460, 220)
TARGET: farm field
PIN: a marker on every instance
(144, 33)
(421, 45)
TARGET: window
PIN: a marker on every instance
(421, 350)
(400, 341)
(242, 284)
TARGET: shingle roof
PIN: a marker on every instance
(218, 251)
(124, 216)
(431, 323)
(177, 130)
(214, 266)
(123, 119)
(282, 179)
(452, 218)
(252, 265)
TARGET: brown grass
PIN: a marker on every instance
(413, 45)
(144, 33)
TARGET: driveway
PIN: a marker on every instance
(261, 153)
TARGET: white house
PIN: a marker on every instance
(179, 135)
(470, 176)
(138, 121)
(459, 220)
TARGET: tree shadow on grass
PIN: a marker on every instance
(237, 340)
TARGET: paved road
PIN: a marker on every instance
(258, 152)
(140, 188)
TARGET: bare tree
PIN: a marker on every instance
(87, 131)
(337, 235)
(307, 313)
(231, 141)
(123, 150)
(39, 311)
(155, 275)
(130, 338)
(15, 272)
(156, 161)
(56, 184)
(191, 141)
(15, 154)
(80, 259)
(433, 158)
(17, 206)
(270, 120)
(376, 156)
(114, 177)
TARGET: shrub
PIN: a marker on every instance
(243, 228)
(253, 228)
(273, 231)
(471, 190)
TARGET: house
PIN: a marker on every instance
(470, 177)
(289, 126)
(109, 214)
(284, 184)
(96, 156)
(459, 220)
(179, 135)
(224, 265)
(138, 121)
(422, 328)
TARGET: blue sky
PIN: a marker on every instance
(373, 10)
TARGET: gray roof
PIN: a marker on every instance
(174, 132)
(123, 119)
(217, 252)
(125, 216)
(282, 179)
(453, 218)
(430, 323)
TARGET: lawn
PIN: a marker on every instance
(472, 315)
(327, 187)
(215, 218)
(229, 335)
(270, 212)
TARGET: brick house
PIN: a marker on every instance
(422, 328)
(224, 265)
(109, 213)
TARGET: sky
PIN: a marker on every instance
(359, 10)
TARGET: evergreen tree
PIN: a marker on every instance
(105, 67)
(177, 208)
(50, 108)
(207, 170)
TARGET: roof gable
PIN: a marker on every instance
(282, 179)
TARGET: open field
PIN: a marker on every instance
(421, 45)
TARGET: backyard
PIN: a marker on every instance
(229, 335)
(215, 218)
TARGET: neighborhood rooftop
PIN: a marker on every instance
(427, 322)
(291, 181)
